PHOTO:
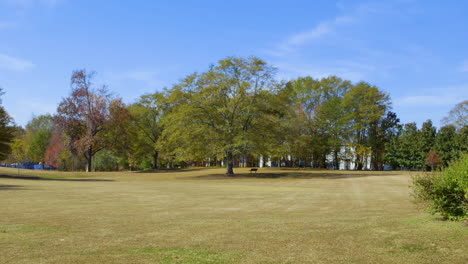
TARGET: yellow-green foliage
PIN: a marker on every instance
(445, 192)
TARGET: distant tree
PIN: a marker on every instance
(446, 145)
(461, 139)
(392, 148)
(427, 136)
(229, 110)
(381, 133)
(458, 116)
(56, 153)
(329, 119)
(364, 105)
(18, 151)
(118, 134)
(319, 118)
(84, 114)
(408, 148)
(106, 160)
(146, 115)
(432, 159)
(37, 137)
(6, 131)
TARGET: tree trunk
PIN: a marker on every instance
(89, 159)
(358, 162)
(375, 160)
(360, 166)
(229, 164)
(336, 160)
(155, 160)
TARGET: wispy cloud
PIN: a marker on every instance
(351, 14)
(346, 51)
(321, 30)
(14, 64)
(437, 96)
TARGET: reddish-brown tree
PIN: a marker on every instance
(432, 159)
(54, 149)
(84, 114)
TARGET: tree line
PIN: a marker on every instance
(234, 114)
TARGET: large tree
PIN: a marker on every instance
(426, 140)
(458, 116)
(446, 144)
(364, 105)
(84, 114)
(229, 110)
(37, 137)
(56, 153)
(6, 131)
(408, 148)
(381, 133)
(146, 115)
(118, 136)
(319, 119)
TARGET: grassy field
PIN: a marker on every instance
(201, 216)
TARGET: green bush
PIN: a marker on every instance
(146, 163)
(444, 192)
(105, 160)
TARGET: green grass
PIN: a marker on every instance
(183, 255)
(201, 216)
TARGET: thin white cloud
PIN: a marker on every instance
(14, 64)
(333, 26)
(322, 30)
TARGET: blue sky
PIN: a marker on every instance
(417, 51)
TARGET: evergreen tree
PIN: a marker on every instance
(446, 144)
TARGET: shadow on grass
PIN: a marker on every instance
(176, 170)
(10, 187)
(37, 178)
(289, 175)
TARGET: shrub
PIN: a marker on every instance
(444, 192)
(105, 160)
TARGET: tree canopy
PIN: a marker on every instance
(236, 113)
(6, 131)
(227, 111)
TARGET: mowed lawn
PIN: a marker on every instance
(201, 216)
